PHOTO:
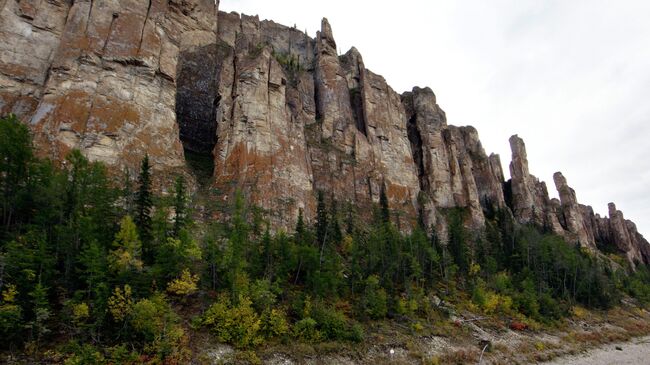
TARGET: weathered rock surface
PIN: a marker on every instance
(100, 76)
(571, 214)
(287, 129)
(282, 116)
(530, 203)
(625, 236)
(577, 223)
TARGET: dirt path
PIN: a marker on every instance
(634, 352)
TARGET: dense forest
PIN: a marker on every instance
(106, 270)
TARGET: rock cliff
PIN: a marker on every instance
(280, 114)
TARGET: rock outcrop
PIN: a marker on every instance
(281, 115)
(571, 213)
(100, 76)
(529, 198)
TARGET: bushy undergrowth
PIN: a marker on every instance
(84, 256)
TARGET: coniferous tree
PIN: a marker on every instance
(383, 203)
(266, 260)
(458, 241)
(41, 313)
(300, 224)
(144, 204)
(94, 270)
(321, 219)
(15, 156)
(127, 193)
(349, 222)
(180, 205)
(58, 268)
(126, 253)
(335, 228)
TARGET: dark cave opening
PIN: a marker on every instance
(356, 101)
(197, 101)
(507, 194)
(416, 149)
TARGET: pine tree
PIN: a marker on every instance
(41, 311)
(144, 206)
(180, 205)
(383, 203)
(335, 228)
(300, 225)
(127, 193)
(94, 273)
(266, 259)
(15, 157)
(458, 241)
(321, 219)
(349, 222)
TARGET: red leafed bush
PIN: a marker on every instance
(518, 326)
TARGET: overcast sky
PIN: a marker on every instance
(572, 78)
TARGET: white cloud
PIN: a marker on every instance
(570, 77)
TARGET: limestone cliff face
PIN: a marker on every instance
(293, 117)
(281, 114)
(101, 76)
(453, 168)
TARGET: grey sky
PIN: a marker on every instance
(572, 78)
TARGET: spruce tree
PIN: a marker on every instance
(180, 205)
(127, 193)
(15, 156)
(321, 219)
(383, 203)
(300, 225)
(349, 222)
(335, 228)
(458, 241)
(144, 206)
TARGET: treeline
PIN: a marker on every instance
(106, 273)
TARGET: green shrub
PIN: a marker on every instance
(262, 294)
(355, 334)
(86, 354)
(121, 355)
(479, 296)
(237, 325)
(306, 330)
(526, 300)
(374, 302)
(334, 325)
(502, 282)
(331, 323)
(10, 321)
(156, 325)
(406, 306)
(274, 324)
(548, 307)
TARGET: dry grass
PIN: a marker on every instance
(460, 357)
(456, 343)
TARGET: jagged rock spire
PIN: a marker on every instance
(573, 220)
(326, 34)
(284, 116)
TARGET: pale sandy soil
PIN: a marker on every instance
(634, 352)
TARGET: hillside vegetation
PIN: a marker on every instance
(94, 270)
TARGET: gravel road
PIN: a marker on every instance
(634, 352)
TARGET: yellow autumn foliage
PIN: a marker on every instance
(120, 303)
(9, 294)
(184, 285)
(80, 312)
